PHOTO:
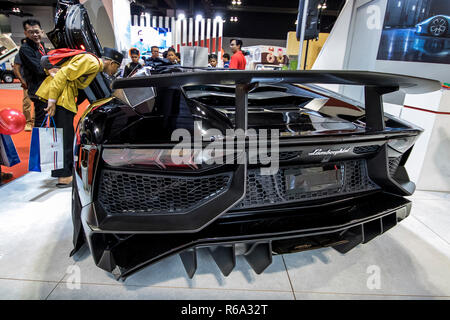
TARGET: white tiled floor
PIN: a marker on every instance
(413, 259)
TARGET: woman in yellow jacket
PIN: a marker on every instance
(60, 90)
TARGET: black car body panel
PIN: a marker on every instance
(126, 208)
(341, 179)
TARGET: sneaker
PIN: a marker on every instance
(28, 127)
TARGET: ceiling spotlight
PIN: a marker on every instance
(319, 6)
(239, 2)
(234, 19)
(17, 10)
(181, 16)
(236, 2)
(199, 17)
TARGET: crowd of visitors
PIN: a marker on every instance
(170, 56)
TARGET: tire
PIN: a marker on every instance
(438, 27)
(8, 78)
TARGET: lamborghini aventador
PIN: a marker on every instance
(339, 177)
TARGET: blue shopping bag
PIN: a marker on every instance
(8, 153)
(46, 148)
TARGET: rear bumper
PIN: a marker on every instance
(256, 235)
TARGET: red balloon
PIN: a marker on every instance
(11, 121)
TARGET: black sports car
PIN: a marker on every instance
(341, 178)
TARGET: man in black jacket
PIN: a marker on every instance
(30, 55)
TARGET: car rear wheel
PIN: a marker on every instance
(8, 78)
(438, 27)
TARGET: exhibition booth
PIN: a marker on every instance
(310, 166)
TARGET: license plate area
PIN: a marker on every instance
(320, 178)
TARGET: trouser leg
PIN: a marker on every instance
(39, 112)
(64, 119)
(26, 107)
(81, 97)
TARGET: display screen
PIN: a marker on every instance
(313, 179)
(416, 31)
(143, 38)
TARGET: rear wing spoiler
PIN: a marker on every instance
(375, 85)
(365, 78)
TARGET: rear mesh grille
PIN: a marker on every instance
(265, 190)
(365, 149)
(123, 192)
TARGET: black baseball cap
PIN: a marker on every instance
(112, 54)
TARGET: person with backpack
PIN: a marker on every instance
(60, 90)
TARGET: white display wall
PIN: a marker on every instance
(353, 45)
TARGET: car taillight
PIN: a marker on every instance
(165, 158)
(402, 145)
(161, 158)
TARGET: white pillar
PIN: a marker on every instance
(167, 23)
(161, 24)
(121, 20)
(142, 19)
(208, 35)
(178, 36)
(154, 25)
(214, 37)
(191, 31)
(219, 45)
(184, 40)
(147, 20)
(173, 25)
(202, 33)
(196, 38)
